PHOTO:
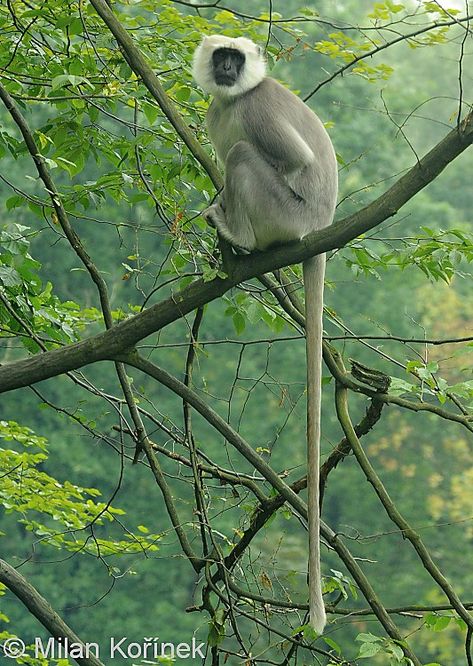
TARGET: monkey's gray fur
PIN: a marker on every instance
(280, 184)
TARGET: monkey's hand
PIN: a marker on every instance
(214, 215)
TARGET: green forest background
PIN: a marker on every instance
(410, 278)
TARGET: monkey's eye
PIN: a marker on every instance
(229, 57)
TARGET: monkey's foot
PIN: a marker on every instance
(215, 216)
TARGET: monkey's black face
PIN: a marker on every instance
(227, 65)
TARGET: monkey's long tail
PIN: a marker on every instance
(314, 271)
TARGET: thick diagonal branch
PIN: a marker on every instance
(141, 68)
(42, 610)
(126, 334)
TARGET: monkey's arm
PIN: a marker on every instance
(272, 117)
(282, 145)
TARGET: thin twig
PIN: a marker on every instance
(406, 530)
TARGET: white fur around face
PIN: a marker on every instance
(253, 72)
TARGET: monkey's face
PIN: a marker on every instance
(227, 66)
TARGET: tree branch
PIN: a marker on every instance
(233, 437)
(383, 47)
(42, 610)
(343, 448)
(275, 480)
(56, 200)
(331, 359)
(141, 68)
(125, 335)
(407, 531)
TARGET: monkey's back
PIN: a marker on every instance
(267, 116)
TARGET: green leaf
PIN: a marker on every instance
(76, 27)
(68, 79)
(14, 202)
(331, 643)
(216, 633)
(442, 623)
(369, 650)
(239, 322)
(307, 631)
(397, 651)
(368, 638)
(151, 112)
(9, 276)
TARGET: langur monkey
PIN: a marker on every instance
(280, 184)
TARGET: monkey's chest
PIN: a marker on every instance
(225, 130)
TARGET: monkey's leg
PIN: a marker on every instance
(258, 200)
